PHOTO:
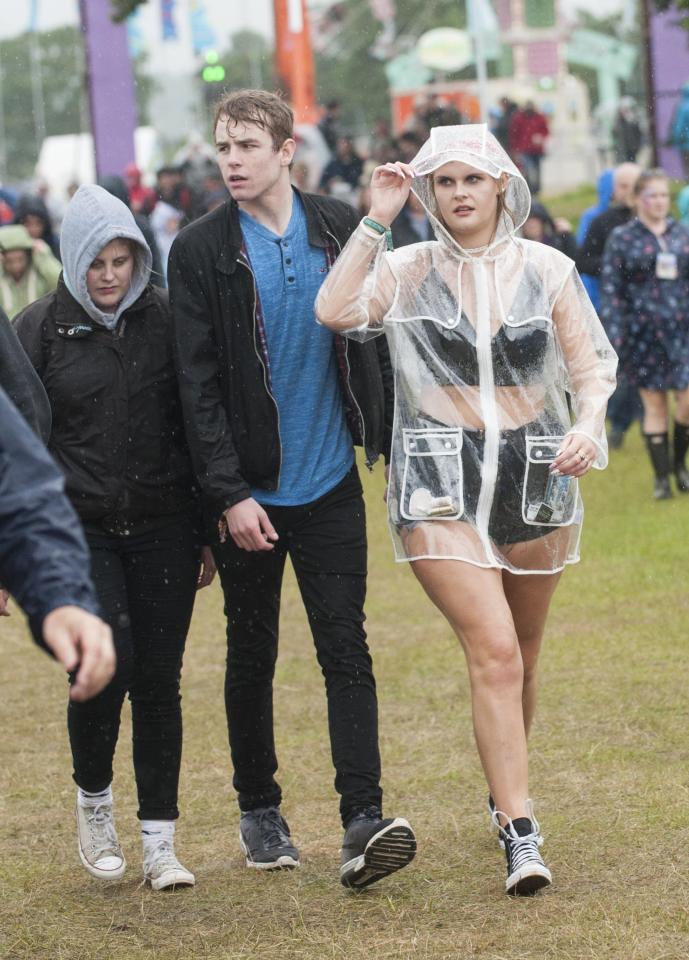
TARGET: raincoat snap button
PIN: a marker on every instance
(448, 445)
(538, 453)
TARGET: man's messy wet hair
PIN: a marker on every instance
(267, 110)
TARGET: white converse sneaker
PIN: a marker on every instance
(99, 848)
(163, 870)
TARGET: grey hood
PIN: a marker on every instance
(93, 218)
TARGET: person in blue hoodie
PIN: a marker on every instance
(102, 346)
(624, 407)
(679, 129)
(605, 187)
(682, 201)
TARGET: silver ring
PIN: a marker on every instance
(582, 456)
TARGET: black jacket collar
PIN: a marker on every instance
(316, 228)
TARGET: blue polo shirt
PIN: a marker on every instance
(316, 443)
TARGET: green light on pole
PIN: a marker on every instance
(213, 72)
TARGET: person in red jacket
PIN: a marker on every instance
(142, 199)
(528, 132)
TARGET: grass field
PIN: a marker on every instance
(610, 778)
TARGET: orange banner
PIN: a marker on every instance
(294, 58)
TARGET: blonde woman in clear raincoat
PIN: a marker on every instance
(488, 335)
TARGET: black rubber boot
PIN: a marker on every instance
(658, 448)
(680, 445)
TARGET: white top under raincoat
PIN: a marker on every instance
(485, 345)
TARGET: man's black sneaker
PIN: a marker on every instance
(374, 848)
(526, 871)
(265, 839)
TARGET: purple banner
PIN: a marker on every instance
(669, 72)
(111, 88)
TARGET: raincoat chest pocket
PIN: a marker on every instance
(432, 480)
(548, 500)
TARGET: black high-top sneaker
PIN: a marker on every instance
(501, 842)
(526, 871)
(374, 848)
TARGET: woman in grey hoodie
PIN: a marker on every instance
(101, 344)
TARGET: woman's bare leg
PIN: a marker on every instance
(529, 597)
(655, 410)
(473, 601)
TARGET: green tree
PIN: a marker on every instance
(248, 61)
(681, 6)
(64, 97)
(348, 72)
(63, 84)
(121, 9)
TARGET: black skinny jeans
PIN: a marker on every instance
(326, 542)
(146, 584)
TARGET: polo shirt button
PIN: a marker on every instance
(288, 260)
(290, 279)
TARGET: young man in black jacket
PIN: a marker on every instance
(272, 403)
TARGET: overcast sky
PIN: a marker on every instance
(225, 16)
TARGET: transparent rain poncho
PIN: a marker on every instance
(486, 346)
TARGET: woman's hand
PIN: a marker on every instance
(207, 569)
(576, 456)
(390, 186)
(387, 482)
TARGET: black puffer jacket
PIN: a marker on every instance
(230, 415)
(117, 429)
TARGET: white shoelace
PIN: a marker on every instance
(102, 835)
(162, 857)
(522, 850)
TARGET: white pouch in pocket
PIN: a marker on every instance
(432, 479)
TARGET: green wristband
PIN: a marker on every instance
(379, 228)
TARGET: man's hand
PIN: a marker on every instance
(249, 526)
(81, 640)
(4, 597)
(207, 570)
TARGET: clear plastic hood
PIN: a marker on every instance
(474, 145)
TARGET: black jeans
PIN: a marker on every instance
(326, 542)
(146, 584)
